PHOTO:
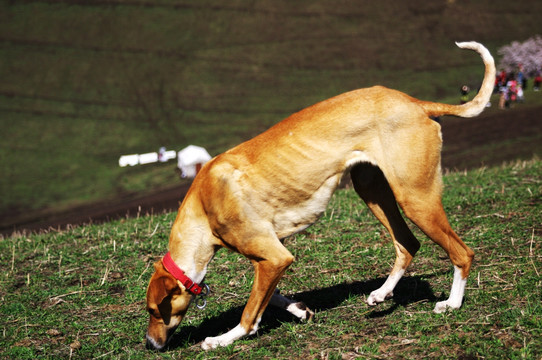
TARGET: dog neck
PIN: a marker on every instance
(170, 265)
(190, 252)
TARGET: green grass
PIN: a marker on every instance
(79, 293)
(85, 82)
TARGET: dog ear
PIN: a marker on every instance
(159, 267)
(164, 284)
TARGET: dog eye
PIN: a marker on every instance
(153, 312)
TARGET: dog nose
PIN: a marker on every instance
(152, 345)
(149, 345)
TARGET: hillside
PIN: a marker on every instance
(492, 139)
(84, 82)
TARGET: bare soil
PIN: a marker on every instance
(490, 139)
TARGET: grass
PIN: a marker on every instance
(129, 77)
(79, 293)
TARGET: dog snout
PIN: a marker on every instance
(152, 344)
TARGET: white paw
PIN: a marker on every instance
(214, 342)
(227, 338)
(300, 310)
(442, 306)
(378, 296)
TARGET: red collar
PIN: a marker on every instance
(178, 274)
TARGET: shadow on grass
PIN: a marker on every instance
(409, 290)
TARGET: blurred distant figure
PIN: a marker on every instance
(464, 94)
(520, 94)
(503, 98)
(161, 154)
(521, 78)
(537, 81)
(500, 81)
(512, 86)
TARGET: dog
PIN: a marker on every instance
(251, 197)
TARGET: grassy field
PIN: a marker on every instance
(80, 293)
(84, 82)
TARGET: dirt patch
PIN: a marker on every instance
(490, 139)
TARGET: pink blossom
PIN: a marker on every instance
(527, 54)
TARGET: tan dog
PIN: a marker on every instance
(279, 183)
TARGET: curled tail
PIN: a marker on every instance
(476, 105)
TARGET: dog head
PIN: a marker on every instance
(167, 302)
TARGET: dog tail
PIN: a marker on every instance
(476, 105)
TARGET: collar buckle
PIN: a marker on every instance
(201, 299)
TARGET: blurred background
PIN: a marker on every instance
(83, 82)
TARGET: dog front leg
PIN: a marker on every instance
(267, 274)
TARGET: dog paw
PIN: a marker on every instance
(377, 297)
(227, 338)
(442, 306)
(300, 310)
(212, 343)
(309, 314)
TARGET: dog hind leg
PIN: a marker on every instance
(428, 214)
(372, 186)
(421, 202)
